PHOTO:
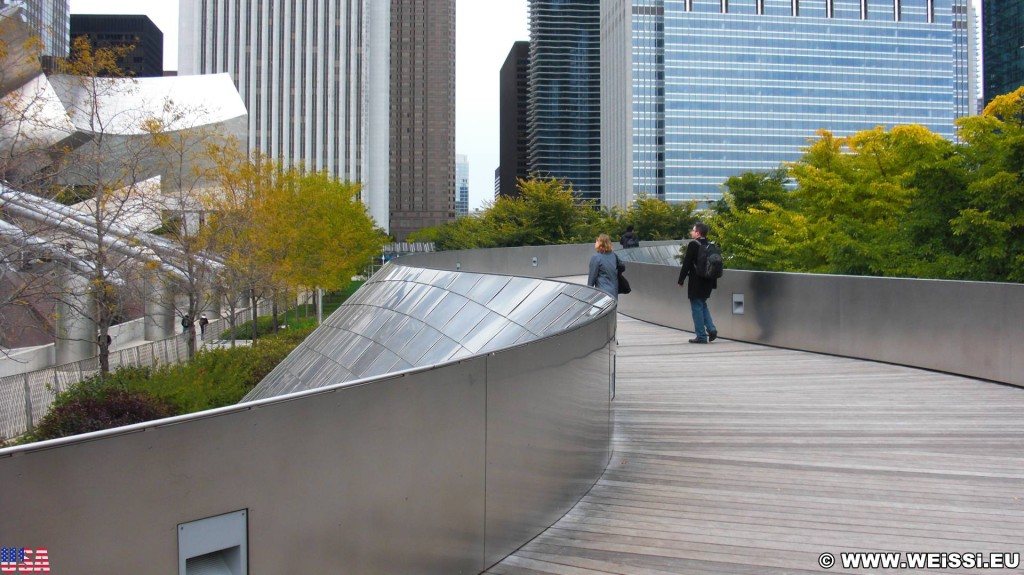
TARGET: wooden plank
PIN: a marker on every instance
(737, 458)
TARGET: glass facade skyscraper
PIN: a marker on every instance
(564, 109)
(146, 58)
(1003, 25)
(720, 87)
(461, 185)
(513, 97)
(51, 19)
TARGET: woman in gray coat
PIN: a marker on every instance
(604, 274)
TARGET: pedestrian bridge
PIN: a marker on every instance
(740, 458)
(835, 415)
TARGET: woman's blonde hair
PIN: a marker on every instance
(604, 244)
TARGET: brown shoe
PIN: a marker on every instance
(712, 335)
(698, 340)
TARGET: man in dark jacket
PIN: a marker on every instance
(699, 290)
(629, 239)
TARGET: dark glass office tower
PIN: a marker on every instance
(114, 30)
(1003, 40)
(564, 111)
(514, 95)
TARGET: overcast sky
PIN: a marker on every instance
(484, 34)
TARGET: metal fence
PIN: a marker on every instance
(25, 398)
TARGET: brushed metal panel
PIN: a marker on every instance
(951, 326)
(548, 432)
(657, 298)
(789, 311)
(968, 328)
(385, 477)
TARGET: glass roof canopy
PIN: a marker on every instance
(406, 317)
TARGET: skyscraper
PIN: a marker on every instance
(513, 97)
(461, 185)
(422, 114)
(362, 89)
(50, 18)
(721, 87)
(121, 30)
(564, 111)
(1003, 25)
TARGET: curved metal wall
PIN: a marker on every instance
(441, 469)
(967, 328)
(406, 317)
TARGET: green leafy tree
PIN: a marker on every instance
(851, 210)
(751, 189)
(467, 233)
(758, 224)
(935, 251)
(544, 213)
(991, 223)
(653, 219)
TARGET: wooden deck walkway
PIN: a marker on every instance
(734, 458)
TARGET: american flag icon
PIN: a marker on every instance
(24, 560)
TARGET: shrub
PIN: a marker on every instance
(220, 377)
(271, 350)
(94, 405)
(213, 378)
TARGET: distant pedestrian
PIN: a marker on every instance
(604, 273)
(699, 290)
(629, 239)
(185, 322)
(203, 322)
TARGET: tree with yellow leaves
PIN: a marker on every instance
(278, 229)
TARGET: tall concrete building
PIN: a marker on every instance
(362, 89)
(564, 111)
(1003, 25)
(50, 19)
(513, 94)
(422, 114)
(121, 30)
(695, 91)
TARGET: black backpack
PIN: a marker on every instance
(709, 261)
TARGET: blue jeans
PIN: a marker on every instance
(702, 322)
